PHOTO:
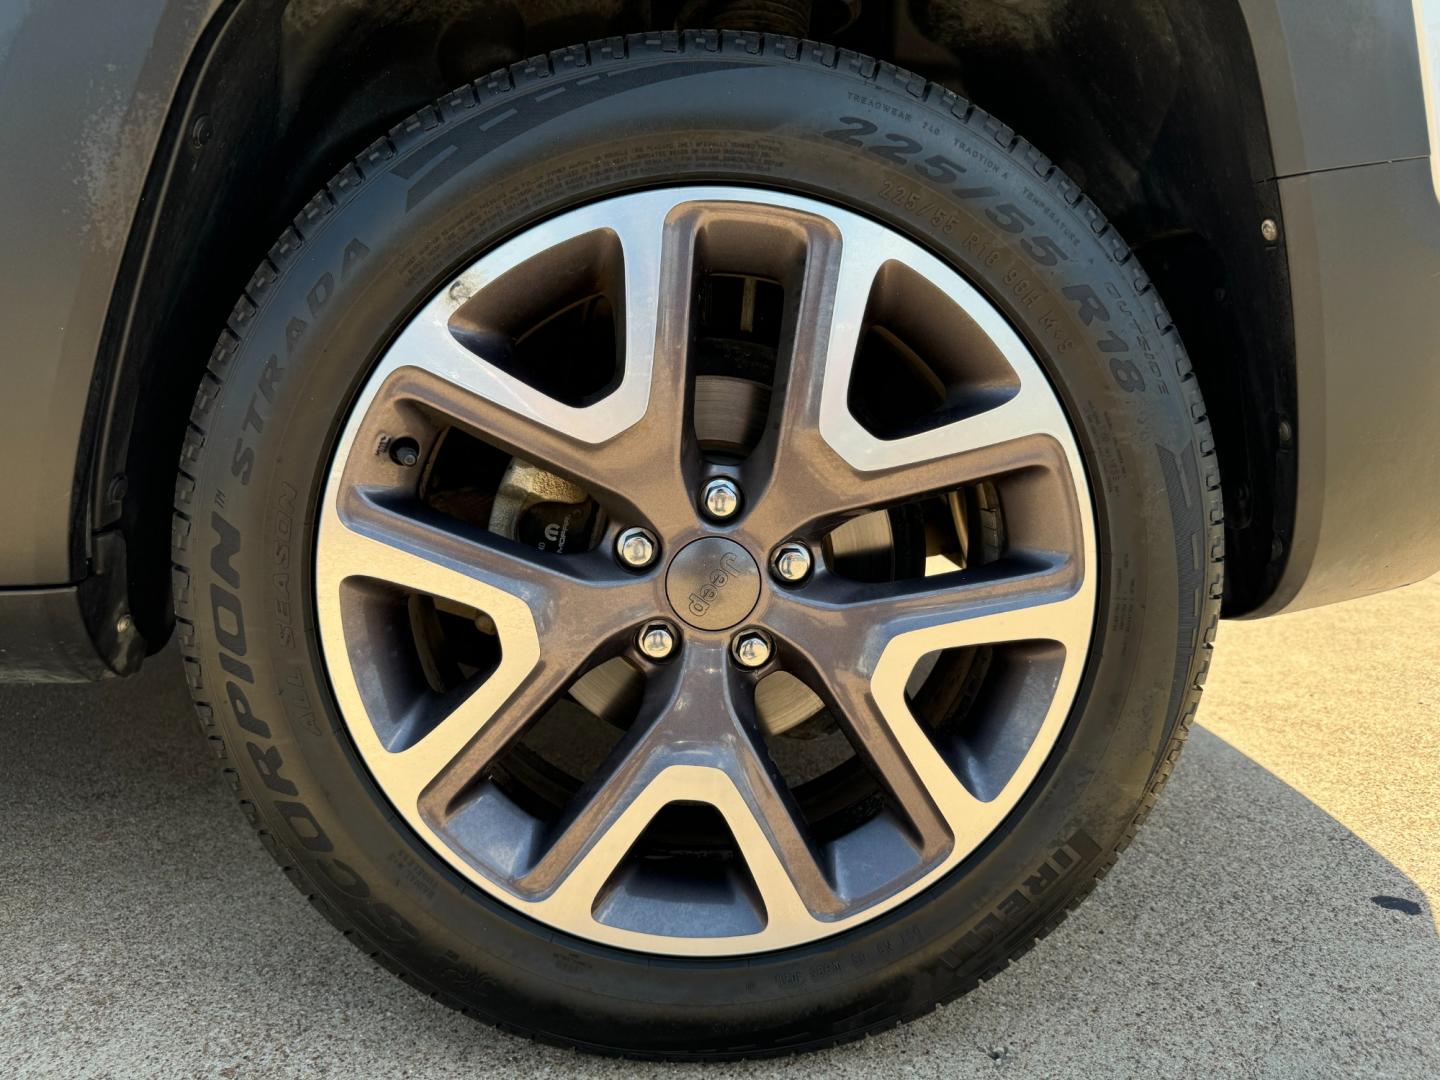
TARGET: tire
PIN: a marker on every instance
(562, 131)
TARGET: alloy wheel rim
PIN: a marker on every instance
(694, 739)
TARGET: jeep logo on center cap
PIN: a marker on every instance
(729, 567)
(713, 583)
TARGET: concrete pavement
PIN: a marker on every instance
(144, 932)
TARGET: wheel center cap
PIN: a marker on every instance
(713, 583)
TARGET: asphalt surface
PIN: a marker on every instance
(1276, 917)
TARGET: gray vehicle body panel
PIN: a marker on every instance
(1364, 247)
(87, 87)
(1341, 81)
(1345, 100)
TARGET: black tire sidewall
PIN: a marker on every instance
(374, 251)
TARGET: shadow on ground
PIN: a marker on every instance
(143, 931)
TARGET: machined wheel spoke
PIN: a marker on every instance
(523, 592)
(964, 456)
(818, 463)
(517, 419)
(1031, 597)
(897, 751)
(1040, 603)
(636, 473)
(654, 462)
(826, 490)
(691, 743)
(467, 741)
(793, 465)
(633, 448)
(426, 552)
(864, 619)
(431, 773)
(834, 286)
(483, 721)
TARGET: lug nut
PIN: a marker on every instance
(792, 562)
(751, 649)
(657, 640)
(636, 548)
(721, 499)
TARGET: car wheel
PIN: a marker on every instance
(697, 545)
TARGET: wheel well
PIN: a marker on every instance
(1152, 105)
